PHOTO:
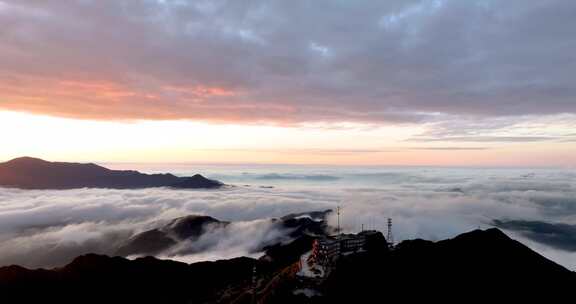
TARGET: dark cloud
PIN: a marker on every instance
(288, 61)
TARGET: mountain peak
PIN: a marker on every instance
(26, 160)
(195, 181)
(478, 234)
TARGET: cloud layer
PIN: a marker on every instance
(288, 61)
(49, 228)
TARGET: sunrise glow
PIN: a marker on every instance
(168, 84)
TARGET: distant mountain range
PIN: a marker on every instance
(481, 265)
(34, 173)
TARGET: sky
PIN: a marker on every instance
(367, 82)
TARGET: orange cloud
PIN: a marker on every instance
(108, 100)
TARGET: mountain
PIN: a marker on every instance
(102, 279)
(190, 228)
(33, 173)
(475, 266)
(187, 228)
(311, 223)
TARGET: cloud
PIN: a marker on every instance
(48, 228)
(315, 177)
(488, 139)
(222, 61)
(237, 239)
(557, 235)
(309, 151)
(449, 148)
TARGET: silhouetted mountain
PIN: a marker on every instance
(311, 223)
(187, 228)
(33, 173)
(101, 279)
(282, 255)
(297, 225)
(479, 265)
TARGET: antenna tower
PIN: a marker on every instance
(390, 238)
(338, 213)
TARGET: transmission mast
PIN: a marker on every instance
(390, 237)
(338, 213)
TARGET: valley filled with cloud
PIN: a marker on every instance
(47, 228)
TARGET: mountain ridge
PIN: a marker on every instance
(484, 264)
(34, 173)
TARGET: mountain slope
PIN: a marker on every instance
(101, 279)
(191, 227)
(479, 265)
(154, 241)
(33, 173)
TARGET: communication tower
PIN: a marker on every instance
(390, 237)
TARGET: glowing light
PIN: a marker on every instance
(185, 141)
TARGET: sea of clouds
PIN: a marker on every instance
(45, 228)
